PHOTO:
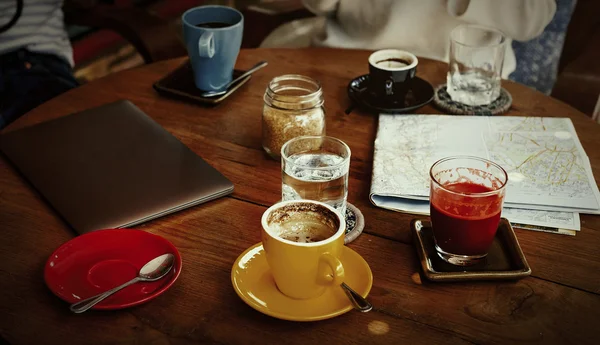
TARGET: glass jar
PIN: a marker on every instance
(293, 107)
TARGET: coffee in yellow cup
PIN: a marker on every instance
(303, 241)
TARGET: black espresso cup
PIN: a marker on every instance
(391, 72)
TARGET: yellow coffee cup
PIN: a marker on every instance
(303, 241)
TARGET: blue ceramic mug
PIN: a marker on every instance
(213, 36)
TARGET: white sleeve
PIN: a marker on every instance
(365, 17)
(321, 7)
(361, 13)
(520, 20)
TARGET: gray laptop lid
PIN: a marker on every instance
(111, 167)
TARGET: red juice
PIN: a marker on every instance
(465, 223)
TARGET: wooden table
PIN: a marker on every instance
(558, 304)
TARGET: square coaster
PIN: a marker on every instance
(505, 259)
(180, 84)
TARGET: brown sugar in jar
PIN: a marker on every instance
(293, 107)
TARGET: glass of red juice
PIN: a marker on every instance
(466, 197)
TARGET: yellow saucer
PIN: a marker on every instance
(252, 281)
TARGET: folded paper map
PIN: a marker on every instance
(550, 177)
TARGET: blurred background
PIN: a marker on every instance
(112, 35)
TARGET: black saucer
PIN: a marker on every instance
(421, 93)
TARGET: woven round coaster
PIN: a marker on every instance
(442, 100)
(355, 223)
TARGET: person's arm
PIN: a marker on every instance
(520, 20)
(321, 7)
(357, 17)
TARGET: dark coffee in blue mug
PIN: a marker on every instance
(213, 36)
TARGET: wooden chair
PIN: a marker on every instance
(152, 36)
(578, 82)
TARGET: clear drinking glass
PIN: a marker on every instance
(466, 199)
(475, 68)
(316, 168)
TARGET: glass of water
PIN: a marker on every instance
(316, 168)
(475, 68)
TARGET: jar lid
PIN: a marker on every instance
(294, 92)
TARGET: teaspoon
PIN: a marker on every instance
(244, 75)
(358, 302)
(152, 271)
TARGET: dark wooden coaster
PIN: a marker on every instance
(505, 259)
(442, 100)
(180, 84)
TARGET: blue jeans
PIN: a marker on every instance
(29, 79)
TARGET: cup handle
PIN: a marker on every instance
(389, 87)
(336, 267)
(206, 45)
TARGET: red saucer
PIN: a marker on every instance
(100, 260)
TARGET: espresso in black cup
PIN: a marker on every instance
(391, 72)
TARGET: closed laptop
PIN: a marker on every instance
(111, 167)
